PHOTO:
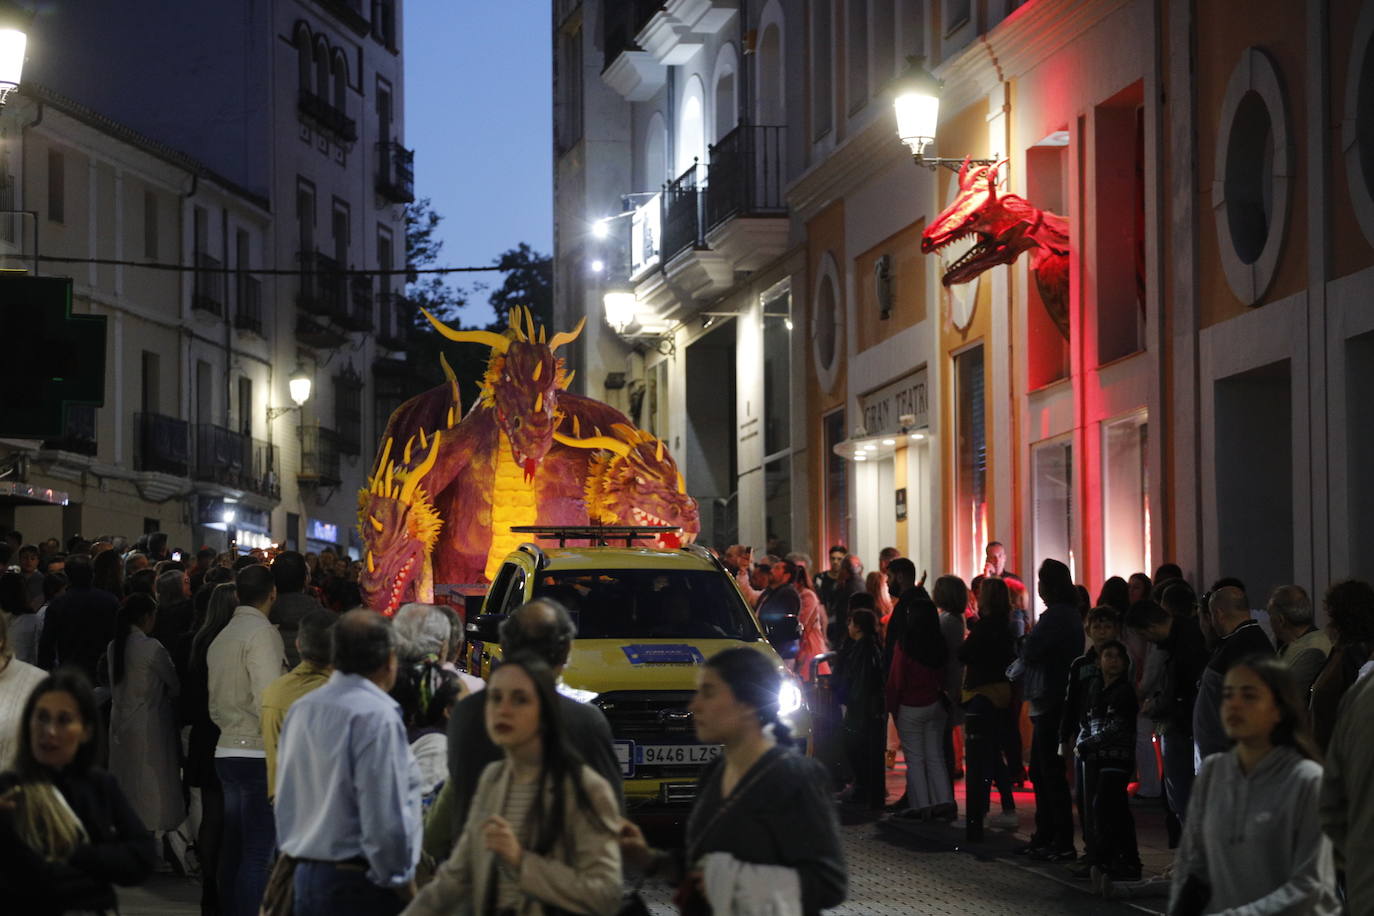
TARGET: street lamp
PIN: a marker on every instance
(916, 102)
(14, 26)
(620, 307)
(299, 386)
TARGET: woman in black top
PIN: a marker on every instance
(759, 803)
(986, 653)
(860, 681)
(67, 834)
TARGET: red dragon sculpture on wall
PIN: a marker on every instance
(445, 491)
(1005, 226)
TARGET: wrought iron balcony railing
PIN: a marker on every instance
(322, 112)
(681, 214)
(745, 177)
(208, 289)
(321, 290)
(233, 459)
(248, 304)
(320, 334)
(358, 315)
(394, 315)
(395, 172)
(78, 433)
(319, 457)
(162, 444)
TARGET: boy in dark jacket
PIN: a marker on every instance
(1107, 747)
(1103, 626)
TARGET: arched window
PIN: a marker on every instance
(340, 95)
(726, 108)
(691, 135)
(322, 68)
(655, 152)
(304, 61)
(772, 105)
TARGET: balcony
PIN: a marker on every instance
(646, 234)
(207, 293)
(681, 215)
(626, 67)
(321, 289)
(78, 433)
(348, 12)
(322, 335)
(746, 214)
(237, 461)
(319, 457)
(161, 444)
(394, 315)
(248, 304)
(621, 21)
(395, 172)
(322, 113)
(358, 315)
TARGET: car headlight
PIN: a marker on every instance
(789, 697)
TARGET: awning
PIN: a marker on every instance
(884, 445)
(23, 494)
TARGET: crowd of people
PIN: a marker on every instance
(1243, 721)
(240, 717)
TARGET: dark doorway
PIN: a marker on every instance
(709, 455)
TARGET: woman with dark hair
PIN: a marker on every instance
(951, 596)
(199, 769)
(812, 619)
(986, 697)
(541, 830)
(1350, 624)
(107, 571)
(1252, 841)
(762, 831)
(1115, 594)
(916, 699)
(859, 681)
(144, 747)
(67, 834)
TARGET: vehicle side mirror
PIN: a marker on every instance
(486, 628)
(784, 634)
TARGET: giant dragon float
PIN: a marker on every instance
(448, 487)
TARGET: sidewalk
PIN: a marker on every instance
(1151, 836)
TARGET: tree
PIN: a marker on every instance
(529, 282)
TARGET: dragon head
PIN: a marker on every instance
(524, 376)
(634, 481)
(399, 527)
(979, 211)
(988, 252)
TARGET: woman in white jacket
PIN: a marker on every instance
(1253, 841)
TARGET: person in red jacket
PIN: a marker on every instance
(916, 698)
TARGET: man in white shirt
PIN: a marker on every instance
(242, 662)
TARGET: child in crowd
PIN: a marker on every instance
(1103, 626)
(1106, 747)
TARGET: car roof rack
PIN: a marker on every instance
(600, 535)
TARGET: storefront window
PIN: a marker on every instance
(971, 469)
(1052, 492)
(777, 373)
(836, 482)
(777, 505)
(1125, 497)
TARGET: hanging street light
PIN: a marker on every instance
(916, 103)
(14, 39)
(298, 385)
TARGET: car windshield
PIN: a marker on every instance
(650, 604)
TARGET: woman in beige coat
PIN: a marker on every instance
(541, 831)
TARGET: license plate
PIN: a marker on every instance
(676, 753)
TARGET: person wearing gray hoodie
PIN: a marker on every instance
(1253, 843)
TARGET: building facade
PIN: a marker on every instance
(294, 110)
(1188, 392)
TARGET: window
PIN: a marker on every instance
(836, 482)
(322, 69)
(1359, 432)
(822, 94)
(205, 392)
(884, 43)
(777, 505)
(293, 531)
(771, 101)
(57, 186)
(1052, 493)
(151, 382)
(568, 79)
(340, 94)
(384, 111)
(827, 324)
(856, 54)
(201, 230)
(245, 405)
(726, 106)
(348, 412)
(305, 63)
(339, 231)
(1119, 196)
(305, 215)
(384, 22)
(386, 308)
(1125, 496)
(150, 225)
(971, 467)
(655, 153)
(913, 38)
(777, 374)
(691, 136)
(1046, 187)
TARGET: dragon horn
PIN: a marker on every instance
(963, 174)
(567, 378)
(498, 342)
(543, 334)
(560, 339)
(514, 321)
(577, 426)
(538, 370)
(414, 477)
(386, 453)
(405, 453)
(681, 484)
(658, 454)
(529, 323)
(448, 370)
(539, 402)
(424, 443)
(606, 442)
